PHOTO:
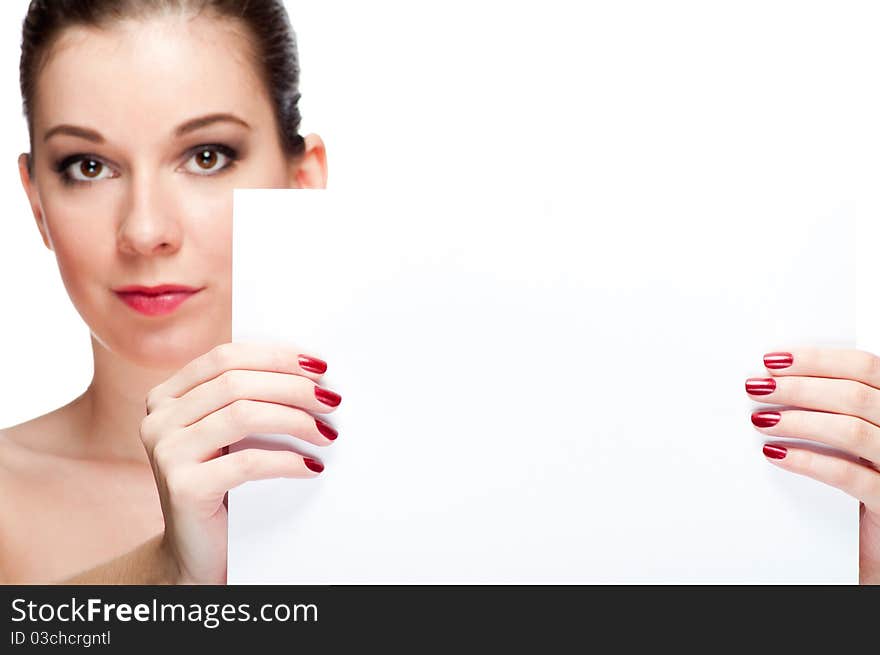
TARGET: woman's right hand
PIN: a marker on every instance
(233, 390)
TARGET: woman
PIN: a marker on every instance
(143, 116)
(107, 494)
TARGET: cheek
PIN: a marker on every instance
(79, 240)
(208, 229)
(269, 169)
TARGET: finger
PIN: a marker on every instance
(257, 356)
(826, 394)
(854, 479)
(849, 433)
(232, 423)
(229, 471)
(841, 363)
(238, 384)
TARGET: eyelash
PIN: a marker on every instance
(61, 167)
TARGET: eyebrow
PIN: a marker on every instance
(187, 127)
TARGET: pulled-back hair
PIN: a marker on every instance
(266, 21)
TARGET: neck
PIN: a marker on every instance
(111, 409)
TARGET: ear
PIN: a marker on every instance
(309, 171)
(33, 198)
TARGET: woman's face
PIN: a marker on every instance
(144, 196)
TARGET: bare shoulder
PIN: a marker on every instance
(4, 445)
(8, 441)
(5, 460)
(20, 446)
(10, 453)
(25, 467)
(29, 452)
(44, 434)
(65, 509)
(23, 461)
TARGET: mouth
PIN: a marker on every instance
(156, 300)
(157, 289)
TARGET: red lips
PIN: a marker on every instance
(156, 300)
(154, 291)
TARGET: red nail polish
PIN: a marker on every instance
(778, 360)
(326, 430)
(765, 419)
(312, 364)
(774, 452)
(313, 464)
(760, 386)
(327, 397)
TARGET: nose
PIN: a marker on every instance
(149, 225)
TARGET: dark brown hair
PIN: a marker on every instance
(266, 21)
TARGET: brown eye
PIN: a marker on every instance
(206, 159)
(90, 168)
(83, 170)
(211, 160)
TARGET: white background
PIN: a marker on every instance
(780, 96)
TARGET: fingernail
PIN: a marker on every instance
(327, 397)
(326, 430)
(313, 464)
(765, 419)
(760, 386)
(778, 360)
(774, 452)
(312, 364)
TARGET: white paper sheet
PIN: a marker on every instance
(541, 389)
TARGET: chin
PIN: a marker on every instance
(167, 348)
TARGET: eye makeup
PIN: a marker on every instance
(61, 167)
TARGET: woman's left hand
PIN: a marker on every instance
(839, 390)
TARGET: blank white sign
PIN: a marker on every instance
(539, 389)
